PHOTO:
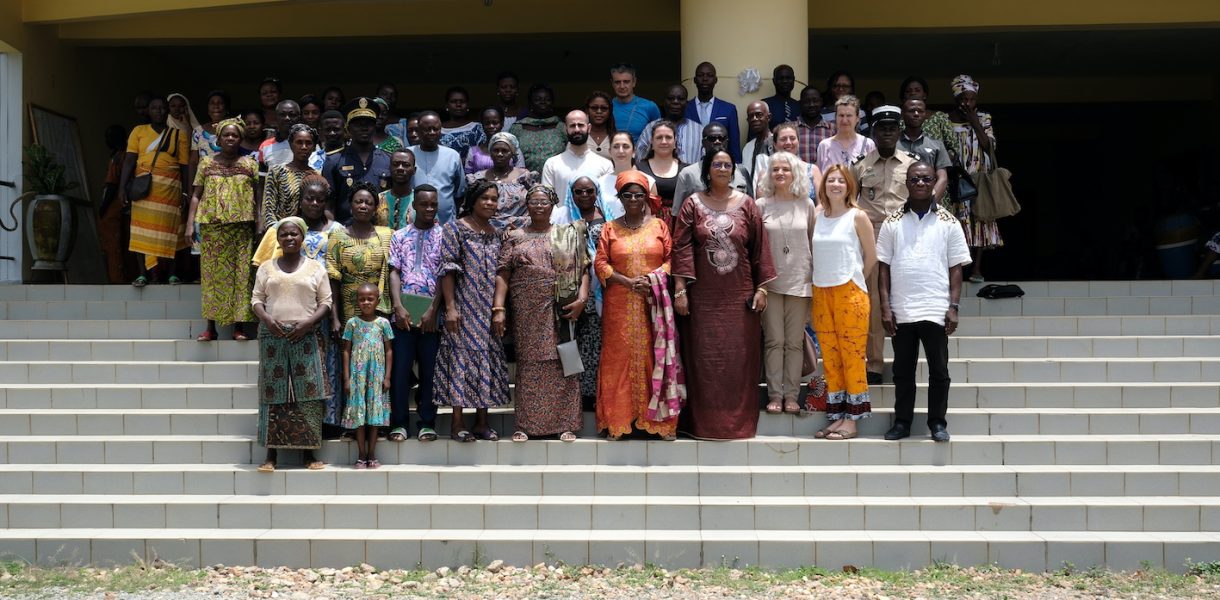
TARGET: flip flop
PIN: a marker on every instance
(842, 435)
(521, 436)
(316, 465)
(488, 435)
(266, 467)
(206, 336)
(463, 436)
(567, 436)
(173, 280)
(240, 336)
(774, 407)
(822, 433)
(139, 282)
(792, 407)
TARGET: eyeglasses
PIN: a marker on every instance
(632, 195)
(921, 179)
(722, 166)
(543, 202)
(584, 192)
(715, 138)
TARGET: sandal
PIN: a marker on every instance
(842, 435)
(791, 406)
(822, 433)
(673, 437)
(240, 336)
(362, 464)
(520, 436)
(373, 463)
(488, 435)
(267, 467)
(426, 434)
(774, 407)
(398, 434)
(206, 336)
(173, 280)
(316, 465)
(463, 436)
(567, 436)
(139, 282)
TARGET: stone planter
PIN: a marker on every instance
(51, 231)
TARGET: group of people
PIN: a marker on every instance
(629, 260)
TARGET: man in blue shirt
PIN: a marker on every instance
(631, 112)
(439, 167)
(360, 160)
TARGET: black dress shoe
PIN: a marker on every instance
(873, 378)
(939, 433)
(898, 431)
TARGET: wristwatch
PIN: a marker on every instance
(955, 306)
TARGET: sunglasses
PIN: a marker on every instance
(632, 196)
(538, 203)
(921, 179)
(715, 138)
(585, 192)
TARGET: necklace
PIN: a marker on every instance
(623, 221)
(785, 229)
(495, 176)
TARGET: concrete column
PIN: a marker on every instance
(735, 35)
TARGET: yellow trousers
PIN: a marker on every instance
(841, 320)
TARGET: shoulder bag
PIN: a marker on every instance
(140, 186)
(996, 199)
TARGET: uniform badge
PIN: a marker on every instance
(349, 182)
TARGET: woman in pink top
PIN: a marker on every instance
(846, 146)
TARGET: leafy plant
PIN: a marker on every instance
(46, 176)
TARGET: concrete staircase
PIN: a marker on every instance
(1085, 421)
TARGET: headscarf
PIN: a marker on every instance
(295, 220)
(964, 83)
(507, 138)
(191, 123)
(231, 122)
(637, 177)
(545, 189)
(569, 202)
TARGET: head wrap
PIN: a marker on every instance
(190, 124)
(295, 220)
(545, 189)
(231, 122)
(507, 138)
(637, 177)
(569, 202)
(964, 83)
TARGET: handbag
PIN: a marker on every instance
(815, 401)
(569, 354)
(809, 366)
(961, 186)
(996, 199)
(140, 186)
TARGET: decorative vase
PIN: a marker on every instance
(51, 231)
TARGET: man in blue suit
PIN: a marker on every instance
(707, 109)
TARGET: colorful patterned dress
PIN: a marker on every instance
(463, 138)
(589, 325)
(369, 400)
(624, 376)
(226, 226)
(281, 194)
(974, 160)
(540, 139)
(470, 367)
(354, 262)
(725, 256)
(156, 220)
(547, 402)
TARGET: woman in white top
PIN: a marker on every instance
(788, 218)
(622, 154)
(786, 140)
(846, 146)
(844, 252)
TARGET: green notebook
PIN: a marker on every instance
(416, 306)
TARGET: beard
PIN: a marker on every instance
(578, 139)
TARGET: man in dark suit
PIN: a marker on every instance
(707, 109)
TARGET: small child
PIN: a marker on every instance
(367, 362)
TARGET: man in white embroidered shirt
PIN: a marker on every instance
(920, 251)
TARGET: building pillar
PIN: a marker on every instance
(735, 35)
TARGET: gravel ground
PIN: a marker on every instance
(496, 582)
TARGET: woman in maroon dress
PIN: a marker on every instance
(721, 260)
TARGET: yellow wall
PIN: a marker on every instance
(899, 14)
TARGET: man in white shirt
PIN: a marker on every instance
(920, 252)
(559, 170)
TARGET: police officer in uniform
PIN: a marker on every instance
(882, 177)
(360, 160)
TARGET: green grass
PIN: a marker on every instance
(54, 581)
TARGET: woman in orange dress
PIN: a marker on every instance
(629, 249)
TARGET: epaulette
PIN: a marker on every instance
(895, 217)
(944, 215)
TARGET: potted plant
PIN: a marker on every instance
(51, 228)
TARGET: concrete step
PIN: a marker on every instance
(1094, 289)
(95, 293)
(828, 475)
(137, 350)
(1089, 326)
(963, 421)
(433, 548)
(1058, 306)
(962, 370)
(105, 329)
(78, 310)
(35, 396)
(609, 512)
(776, 451)
(959, 346)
